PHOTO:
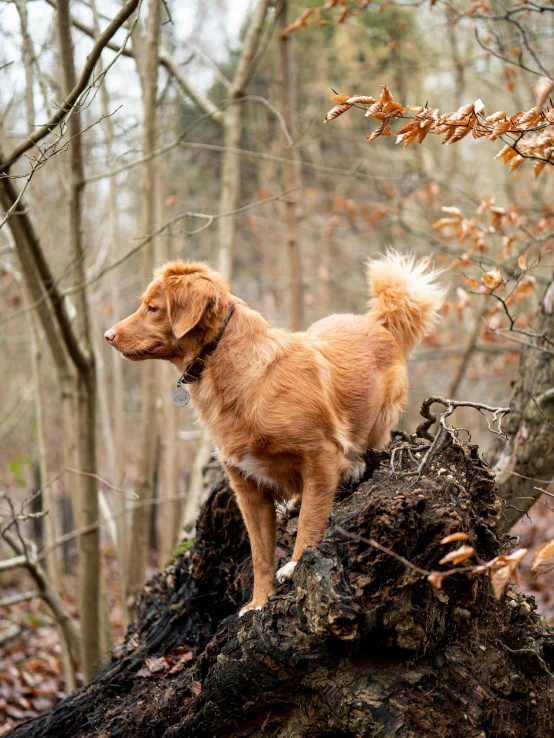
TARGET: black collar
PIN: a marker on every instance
(194, 370)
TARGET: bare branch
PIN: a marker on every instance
(202, 102)
(73, 97)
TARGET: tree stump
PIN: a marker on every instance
(357, 644)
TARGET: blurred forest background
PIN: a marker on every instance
(195, 130)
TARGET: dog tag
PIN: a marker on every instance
(181, 396)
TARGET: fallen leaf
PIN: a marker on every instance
(499, 579)
(454, 537)
(156, 665)
(435, 579)
(457, 556)
(542, 554)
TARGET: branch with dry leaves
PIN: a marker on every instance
(501, 568)
(526, 134)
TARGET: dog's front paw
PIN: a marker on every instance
(255, 604)
(286, 572)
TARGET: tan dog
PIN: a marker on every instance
(289, 412)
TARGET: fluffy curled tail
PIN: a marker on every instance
(404, 296)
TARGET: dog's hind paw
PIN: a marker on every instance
(286, 572)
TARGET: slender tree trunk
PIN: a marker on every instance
(89, 543)
(527, 457)
(468, 355)
(195, 490)
(37, 359)
(169, 467)
(144, 486)
(291, 173)
(230, 187)
(114, 420)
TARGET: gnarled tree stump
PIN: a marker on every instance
(356, 645)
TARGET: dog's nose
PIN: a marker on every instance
(109, 335)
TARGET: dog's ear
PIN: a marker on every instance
(188, 298)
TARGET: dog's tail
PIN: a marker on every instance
(404, 296)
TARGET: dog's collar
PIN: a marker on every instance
(194, 370)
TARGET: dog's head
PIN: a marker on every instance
(179, 312)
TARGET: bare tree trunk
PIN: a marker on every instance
(89, 543)
(468, 355)
(169, 467)
(291, 173)
(48, 498)
(195, 489)
(48, 490)
(114, 421)
(144, 486)
(526, 460)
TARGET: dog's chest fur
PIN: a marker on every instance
(254, 468)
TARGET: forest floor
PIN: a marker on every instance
(31, 677)
(31, 680)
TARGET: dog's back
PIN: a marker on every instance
(367, 353)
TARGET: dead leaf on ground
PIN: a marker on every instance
(460, 536)
(499, 579)
(457, 556)
(435, 579)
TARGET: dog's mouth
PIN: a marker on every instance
(144, 353)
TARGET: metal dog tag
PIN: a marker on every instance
(181, 396)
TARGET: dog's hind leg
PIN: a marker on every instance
(258, 511)
(320, 477)
(395, 400)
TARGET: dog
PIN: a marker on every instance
(290, 413)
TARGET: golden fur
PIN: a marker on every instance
(289, 412)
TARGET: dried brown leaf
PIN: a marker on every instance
(444, 222)
(542, 554)
(499, 579)
(361, 100)
(453, 211)
(340, 98)
(385, 96)
(336, 111)
(543, 89)
(460, 536)
(435, 579)
(457, 556)
(492, 279)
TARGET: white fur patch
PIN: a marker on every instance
(253, 468)
(286, 572)
(248, 609)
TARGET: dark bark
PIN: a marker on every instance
(527, 457)
(356, 645)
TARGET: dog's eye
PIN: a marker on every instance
(152, 309)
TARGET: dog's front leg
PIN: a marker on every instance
(319, 483)
(258, 511)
